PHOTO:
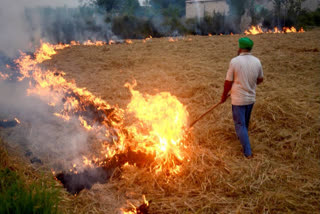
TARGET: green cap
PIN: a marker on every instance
(245, 43)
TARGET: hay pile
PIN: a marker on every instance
(284, 131)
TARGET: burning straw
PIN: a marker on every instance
(152, 137)
(213, 176)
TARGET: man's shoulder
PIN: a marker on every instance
(246, 57)
(254, 57)
(235, 59)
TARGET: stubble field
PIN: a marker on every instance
(284, 131)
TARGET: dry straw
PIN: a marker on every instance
(284, 131)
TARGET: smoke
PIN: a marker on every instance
(40, 133)
(24, 23)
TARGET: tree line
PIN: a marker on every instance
(114, 19)
(167, 17)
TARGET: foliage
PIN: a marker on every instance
(166, 7)
(286, 12)
(134, 27)
(119, 6)
(127, 19)
(18, 197)
(214, 24)
(309, 18)
(237, 7)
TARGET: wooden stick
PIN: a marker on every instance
(204, 114)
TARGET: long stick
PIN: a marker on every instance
(204, 114)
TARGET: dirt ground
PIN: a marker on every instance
(284, 131)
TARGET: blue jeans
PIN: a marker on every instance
(241, 118)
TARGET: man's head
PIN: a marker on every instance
(245, 44)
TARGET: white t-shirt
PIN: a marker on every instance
(244, 70)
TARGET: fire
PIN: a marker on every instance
(276, 30)
(147, 39)
(254, 30)
(209, 34)
(111, 42)
(143, 208)
(96, 43)
(84, 123)
(17, 120)
(160, 127)
(172, 39)
(128, 41)
(73, 43)
(4, 76)
(289, 30)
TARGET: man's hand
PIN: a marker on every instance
(259, 80)
(227, 88)
(223, 98)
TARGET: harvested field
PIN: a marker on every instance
(284, 131)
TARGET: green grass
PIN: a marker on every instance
(18, 197)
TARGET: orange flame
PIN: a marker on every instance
(147, 39)
(4, 76)
(111, 42)
(254, 30)
(96, 43)
(128, 41)
(134, 209)
(17, 120)
(172, 39)
(276, 30)
(289, 30)
(160, 126)
(73, 43)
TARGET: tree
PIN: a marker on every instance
(236, 9)
(128, 7)
(163, 5)
(286, 11)
(108, 5)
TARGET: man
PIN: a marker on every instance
(244, 74)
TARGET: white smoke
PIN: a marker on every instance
(55, 141)
(24, 23)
